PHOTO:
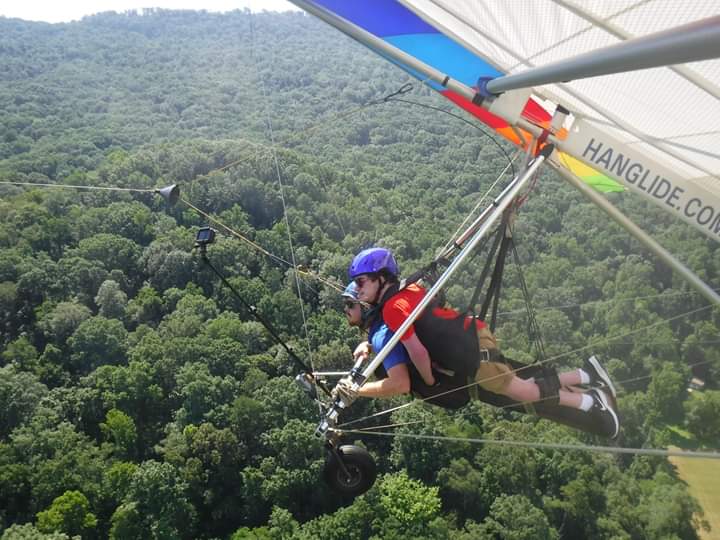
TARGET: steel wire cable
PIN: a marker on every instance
(517, 370)
(550, 446)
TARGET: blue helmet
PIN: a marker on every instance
(350, 291)
(371, 261)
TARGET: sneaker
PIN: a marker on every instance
(605, 412)
(599, 378)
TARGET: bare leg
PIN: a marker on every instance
(527, 391)
(570, 378)
(522, 390)
(571, 399)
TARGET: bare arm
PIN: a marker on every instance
(362, 351)
(397, 382)
(420, 358)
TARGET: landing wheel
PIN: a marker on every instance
(360, 467)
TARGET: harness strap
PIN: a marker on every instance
(549, 385)
(493, 294)
(486, 270)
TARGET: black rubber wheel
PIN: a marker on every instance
(359, 464)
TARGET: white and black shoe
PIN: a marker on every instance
(599, 378)
(604, 412)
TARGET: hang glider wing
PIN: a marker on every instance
(654, 131)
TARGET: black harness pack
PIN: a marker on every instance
(456, 350)
(451, 346)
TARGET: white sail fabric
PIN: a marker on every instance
(670, 114)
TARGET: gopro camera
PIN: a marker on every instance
(205, 236)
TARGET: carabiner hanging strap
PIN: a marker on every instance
(493, 294)
(497, 255)
(502, 244)
(252, 310)
(486, 270)
(533, 326)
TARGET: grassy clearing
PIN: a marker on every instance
(702, 477)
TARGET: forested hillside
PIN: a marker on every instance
(140, 399)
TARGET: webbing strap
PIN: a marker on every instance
(533, 326)
(486, 270)
(493, 294)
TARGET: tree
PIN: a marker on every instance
(583, 499)
(700, 348)
(282, 524)
(60, 323)
(167, 267)
(407, 506)
(461, 488)
(291, 465)
(59, 458)
(8, 308)
(146, 308)
(83, 277)
(112, 251)
(668, 390)
(21, 353)
(111, 300)
(668, 511)
(210, 460)
(117, 481)
(514, 517)
(702, 411)
(96, 342)
(20, 393)
(29, 532)
(134, 388)
(420, 458)
(281, 400)
(353, 522)
(156, 505)
(119, 429)
(203, 394)
(129, 220)
(69, 513)
(15, 487)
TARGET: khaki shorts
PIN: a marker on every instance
(493, 376)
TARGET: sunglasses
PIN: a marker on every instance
(349, 304)
(361, 281)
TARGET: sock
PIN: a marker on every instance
(584, 377)
(587, 402)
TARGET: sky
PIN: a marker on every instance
(54, 11)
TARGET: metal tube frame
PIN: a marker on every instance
(498, 207)
(457, 244)
(385, 49)
(622, 220)
(692, 42)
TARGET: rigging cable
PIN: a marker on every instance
(298, 269)
(481, 201)
(282, 198)
(533, 326)
(661, 296)
(551, 446)
(474, 383)
(468, 415)
(71, 186)
(334, 285)
(431, 107)
(538, 445)
(405, 88)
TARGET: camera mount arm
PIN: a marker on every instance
(206, 236)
